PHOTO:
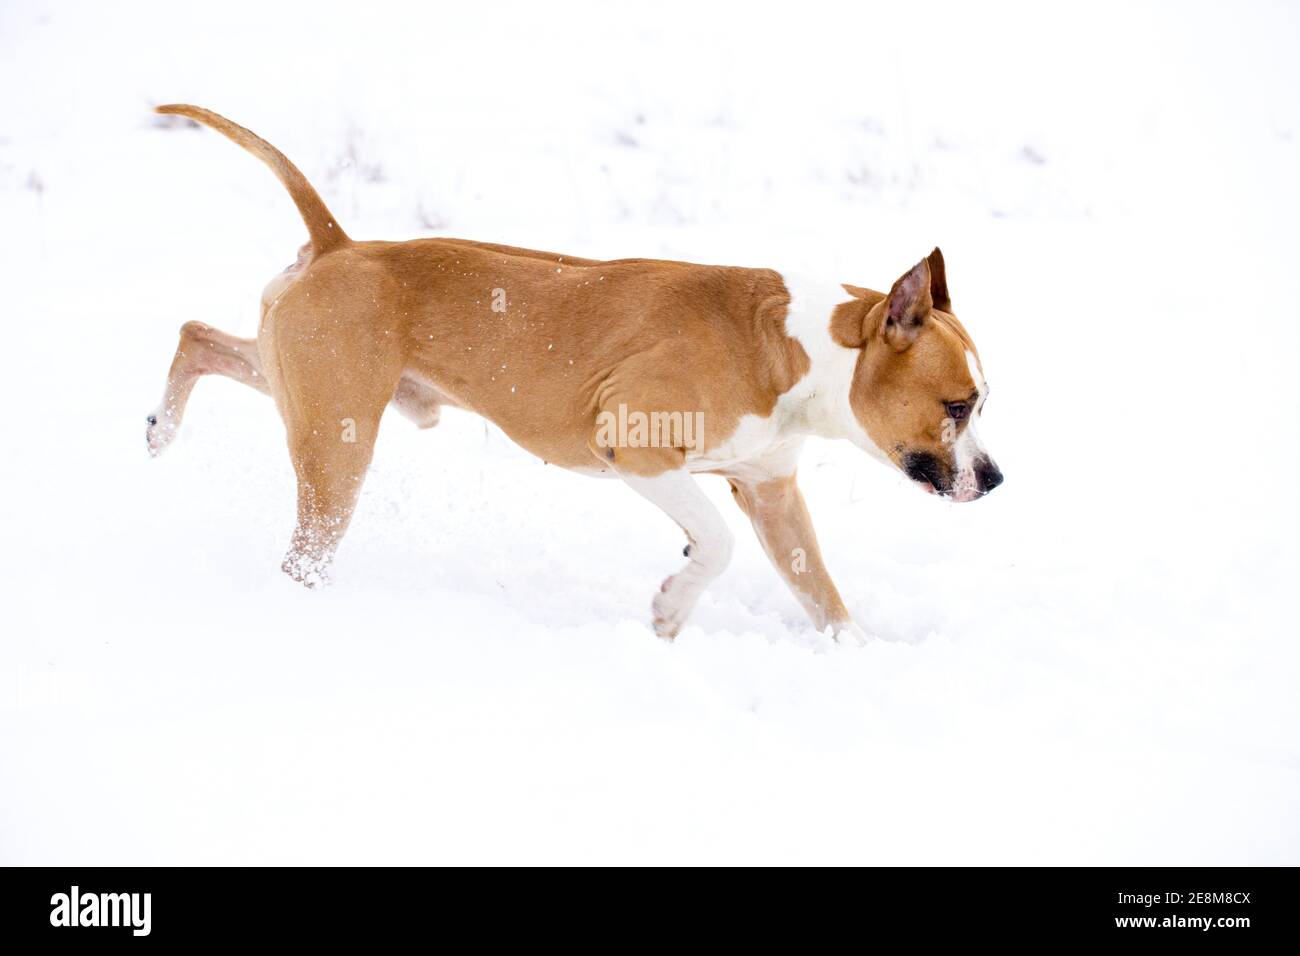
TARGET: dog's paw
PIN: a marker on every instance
(847, 633)
(308, 570)
(673, 605)
(159, 432)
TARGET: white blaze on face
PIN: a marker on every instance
(968, 448)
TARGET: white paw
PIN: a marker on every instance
(673, 604)
(309, 570)
(159, 432)
(848, 633)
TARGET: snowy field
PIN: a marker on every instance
(1097, 664)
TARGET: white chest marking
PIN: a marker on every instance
(818, 404)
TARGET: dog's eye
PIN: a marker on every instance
(957, 411)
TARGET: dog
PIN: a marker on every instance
(648, 370)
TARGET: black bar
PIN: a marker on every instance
(1141, 907)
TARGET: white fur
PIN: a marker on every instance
(819, 402)
(968, 447)
(976, 374)
(711, 543)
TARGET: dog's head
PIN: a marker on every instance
(918, 388)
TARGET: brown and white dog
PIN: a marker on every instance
(563, 353)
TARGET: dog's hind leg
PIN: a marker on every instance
(331, 400)
(330, 470)
(203, 350)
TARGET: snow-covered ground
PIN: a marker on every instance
(1096, 664)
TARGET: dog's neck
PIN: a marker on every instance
(819, 402)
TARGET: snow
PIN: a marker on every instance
(1097, 664)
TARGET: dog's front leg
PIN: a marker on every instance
(784, 528)
(709, 542)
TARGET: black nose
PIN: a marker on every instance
(987, 475)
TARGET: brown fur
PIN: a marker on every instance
(560, 353)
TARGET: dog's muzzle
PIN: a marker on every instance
(937, 477)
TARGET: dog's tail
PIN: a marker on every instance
(326, 234)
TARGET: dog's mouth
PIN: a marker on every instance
(927, 471)
(930, 476)
(958, 493)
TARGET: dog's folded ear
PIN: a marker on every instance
(907, 306)
(898, 317)
(938, 281)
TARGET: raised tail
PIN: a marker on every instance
(326, 234)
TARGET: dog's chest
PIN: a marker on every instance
(759, 447)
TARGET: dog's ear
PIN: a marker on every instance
(907, 306)
(854, 322)
(938, 281)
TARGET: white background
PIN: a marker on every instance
(1096, 664)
